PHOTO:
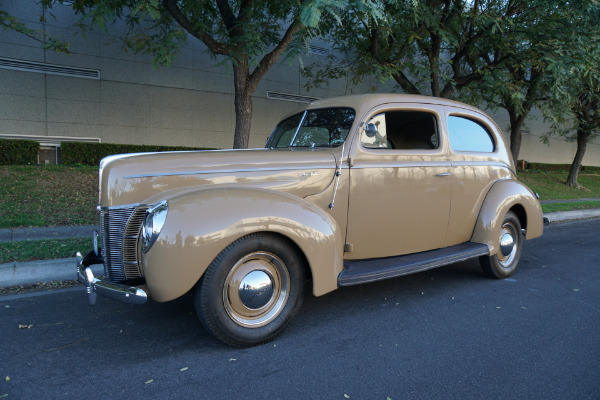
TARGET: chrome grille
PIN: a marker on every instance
(120, 228)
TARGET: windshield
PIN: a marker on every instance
(326, 127)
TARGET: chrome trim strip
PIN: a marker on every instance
(110, 208)
(413, 164)
(227, 171)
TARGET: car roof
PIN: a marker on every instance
(368, 101)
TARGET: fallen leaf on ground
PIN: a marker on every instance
(7, 379)
(150, 381)
(232, 359)
(184, 369)
(25, 326)
(346, 396)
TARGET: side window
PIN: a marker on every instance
(468, 135)
(401, 130)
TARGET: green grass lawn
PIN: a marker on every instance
(48, 196)
(551, 186)
(28, 250)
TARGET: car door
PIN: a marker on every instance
(400, 183)
(476, 154)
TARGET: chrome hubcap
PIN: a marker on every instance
(256, 289)
(508, 245)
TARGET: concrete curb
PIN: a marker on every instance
(31, 272)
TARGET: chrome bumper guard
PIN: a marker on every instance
(95, 286)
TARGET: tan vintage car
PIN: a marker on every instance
(352, 190)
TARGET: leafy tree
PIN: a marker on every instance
(574, 104)
(251, 34)
(526, 47)
(423, 45)
(9, 22)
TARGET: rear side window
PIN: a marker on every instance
(468, 135)
(401, 130)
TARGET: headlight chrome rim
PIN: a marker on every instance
(153, 223)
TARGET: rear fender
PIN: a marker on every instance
(199, 225)
(504, 195)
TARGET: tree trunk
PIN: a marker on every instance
(243, 105)
(516, 126)
(582, 139)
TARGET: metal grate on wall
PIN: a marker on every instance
(320, 51)
(291, 97)
(53, 69)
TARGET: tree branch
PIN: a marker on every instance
(213, 45)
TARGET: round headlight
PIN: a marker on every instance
(153, 224)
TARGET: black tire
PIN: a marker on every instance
(271, 272)
(504, 263)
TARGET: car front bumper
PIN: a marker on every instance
(95, 286)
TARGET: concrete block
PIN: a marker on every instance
(22, 83)
(73, 111)
(68, 88)
(26, 108)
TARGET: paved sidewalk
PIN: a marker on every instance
(21, 273)
(59, 232)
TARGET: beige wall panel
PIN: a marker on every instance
(125, 93)
(284, 72)
(23, 108)
(284, 87)
(73, 111)
(123, 115)
(213, 140)
(21, 83)
(125, 71)
(213, 112)
(160, 96)
(166, 137)
(67, 88)
(211, 82)
(171, 77)
(21, 52)
(20, 127)
(86, 130)
(170, 118)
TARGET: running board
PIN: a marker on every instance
(375, 269)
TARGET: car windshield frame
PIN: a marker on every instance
(317, 127)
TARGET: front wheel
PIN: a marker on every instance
(252, 290)
(503, 264)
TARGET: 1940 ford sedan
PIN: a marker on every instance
(352, 190)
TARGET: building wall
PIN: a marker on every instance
(189, 103)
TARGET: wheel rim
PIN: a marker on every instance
(256, 289)
(509, 245)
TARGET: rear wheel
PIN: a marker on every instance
(503, 264)
(252, 291)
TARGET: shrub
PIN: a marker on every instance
(92, 153)
(18, 152)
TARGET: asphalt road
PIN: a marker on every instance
(449, 333)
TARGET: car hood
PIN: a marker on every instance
(147, 177)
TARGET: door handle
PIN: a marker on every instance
(444, 174)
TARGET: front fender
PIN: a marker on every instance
(199, 225)
(503, 196)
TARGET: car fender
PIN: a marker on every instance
(200, 224)
(502, 196)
